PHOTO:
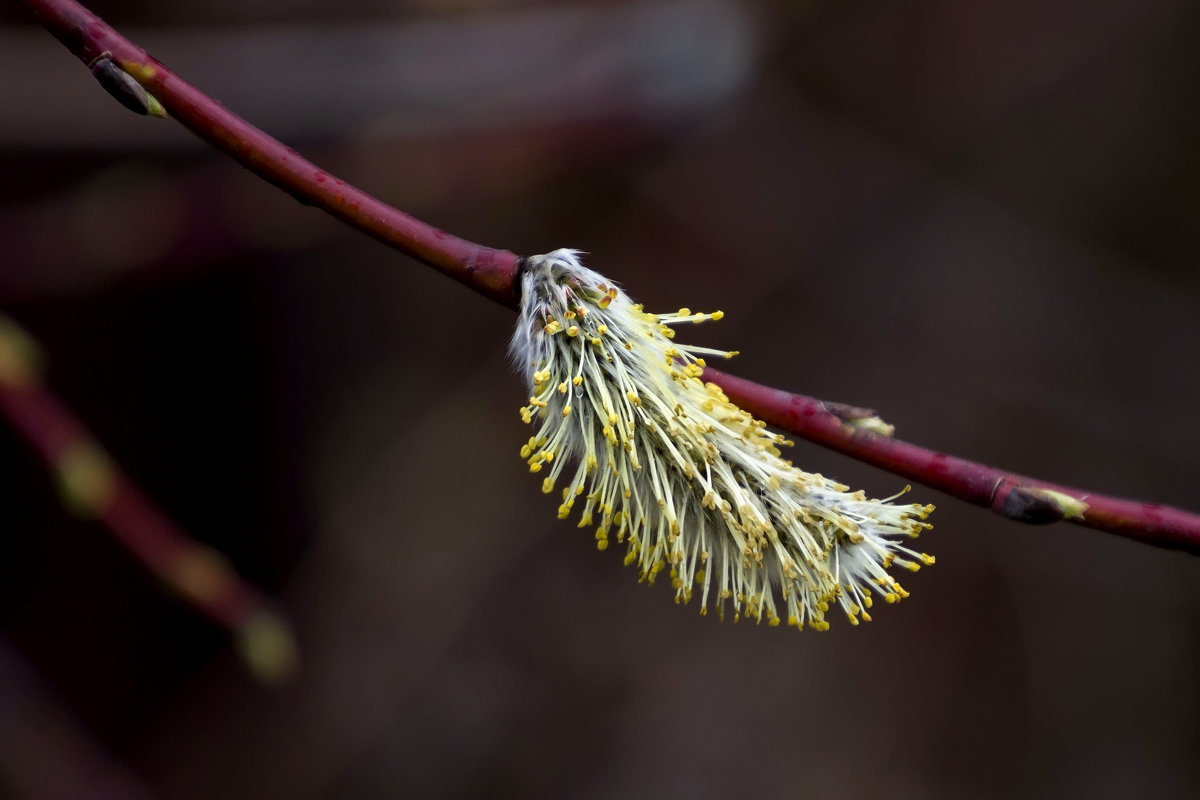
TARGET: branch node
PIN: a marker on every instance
(86, 479)
(1037, 506)
(20, 357)
(267, 646)
(124, 88)
(860, 418)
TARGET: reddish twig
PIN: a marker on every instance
(485, 270)
(1014, 496)
(491, 272)
(93, 487)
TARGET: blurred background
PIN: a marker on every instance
(982, 219)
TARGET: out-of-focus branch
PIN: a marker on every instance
(491, 272)
(93, 487)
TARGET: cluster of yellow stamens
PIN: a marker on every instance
(687, 481)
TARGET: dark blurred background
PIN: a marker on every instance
(982, 219)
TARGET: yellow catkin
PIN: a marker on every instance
(681, 476)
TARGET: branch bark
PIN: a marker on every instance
(492, 272)
(1014, 496)
(486, 270)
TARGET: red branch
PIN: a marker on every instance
(1014, 496)
(95, 488)
(491, 272)
(485, 270)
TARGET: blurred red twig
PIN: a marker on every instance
(491, 272)
(94, 487)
